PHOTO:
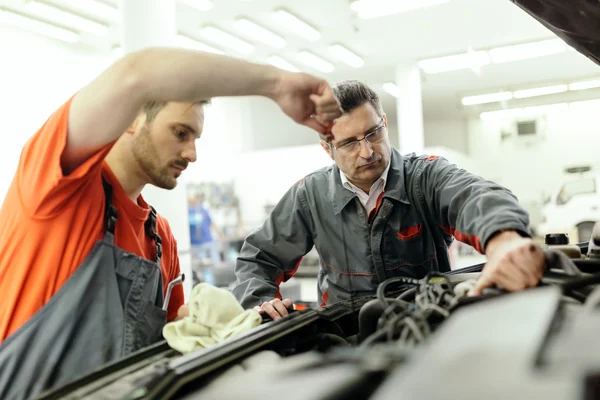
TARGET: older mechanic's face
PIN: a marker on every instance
(362, 161)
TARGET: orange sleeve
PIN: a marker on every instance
(42, 186)
(177, 297)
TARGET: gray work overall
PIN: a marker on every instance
(110, 307)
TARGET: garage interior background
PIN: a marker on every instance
(539, 119)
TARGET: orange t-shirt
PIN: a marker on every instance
(50, 222)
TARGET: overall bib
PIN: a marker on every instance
(110, 307)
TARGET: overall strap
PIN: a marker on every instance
(151, 231)
(110, 212)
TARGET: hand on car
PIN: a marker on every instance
(514, 263)
(275, 308)
(308, 101)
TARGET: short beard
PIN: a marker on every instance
(145, 154)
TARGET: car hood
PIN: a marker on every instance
(574, 21)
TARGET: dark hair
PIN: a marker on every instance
(152, 108)
(353, 94)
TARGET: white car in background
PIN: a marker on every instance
(573, 208)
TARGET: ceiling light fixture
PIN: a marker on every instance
(221, 37)
(202, 5)
(541, 91)
(296, 25)
(259, 33)
(343, 54)
(34, 25)
(486, 98)
(527, 50)
(583, 85)
(314, 61)
(532, 111)
(187, 42)
(367, 9)
(471, 60)
(66, 18)
(99, 9)
(282, 63)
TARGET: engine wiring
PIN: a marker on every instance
(411, 323)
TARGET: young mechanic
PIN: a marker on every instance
(377, 214)
(84, 260)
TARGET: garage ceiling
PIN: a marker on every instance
(385, 42)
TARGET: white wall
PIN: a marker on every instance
(461, 160)
(264, 176)
(37, 75)
(270, 128)
(570, 138)
(534, 169)
(449, 132)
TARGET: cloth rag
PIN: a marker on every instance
(215, 315)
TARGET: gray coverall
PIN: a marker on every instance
(427, 202)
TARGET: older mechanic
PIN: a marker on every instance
(377, 214)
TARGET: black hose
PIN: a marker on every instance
(408, 294)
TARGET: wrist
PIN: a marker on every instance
(272, 83)
(501, 237)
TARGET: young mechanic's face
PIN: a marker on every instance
(364, 162)
(166, 145)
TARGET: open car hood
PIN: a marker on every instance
(574, 21)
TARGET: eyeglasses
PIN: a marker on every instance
(353, 145)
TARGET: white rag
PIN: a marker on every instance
(215, 315)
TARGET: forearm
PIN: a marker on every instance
(107, 107)
(469, 207)
(256, 280)
(272, 254)
(165, 74)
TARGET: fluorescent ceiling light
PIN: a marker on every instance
(346, 56)
(314, 61)
(202, 5)
(99, 9)
(180, 41)
(501, 114)
(282, 63)
(192, 44)
(585, 85)
(367, 9)
(296, 25)
(486, 98)
(218, 36)
(37, 26)
(546, 109)
(66, 18)
(392, 89)
(527, 50)
(259, 33)
(522, 112)
(542, 91)
(471, 60)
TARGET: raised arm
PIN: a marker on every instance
(105, 108)
(488, 217)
